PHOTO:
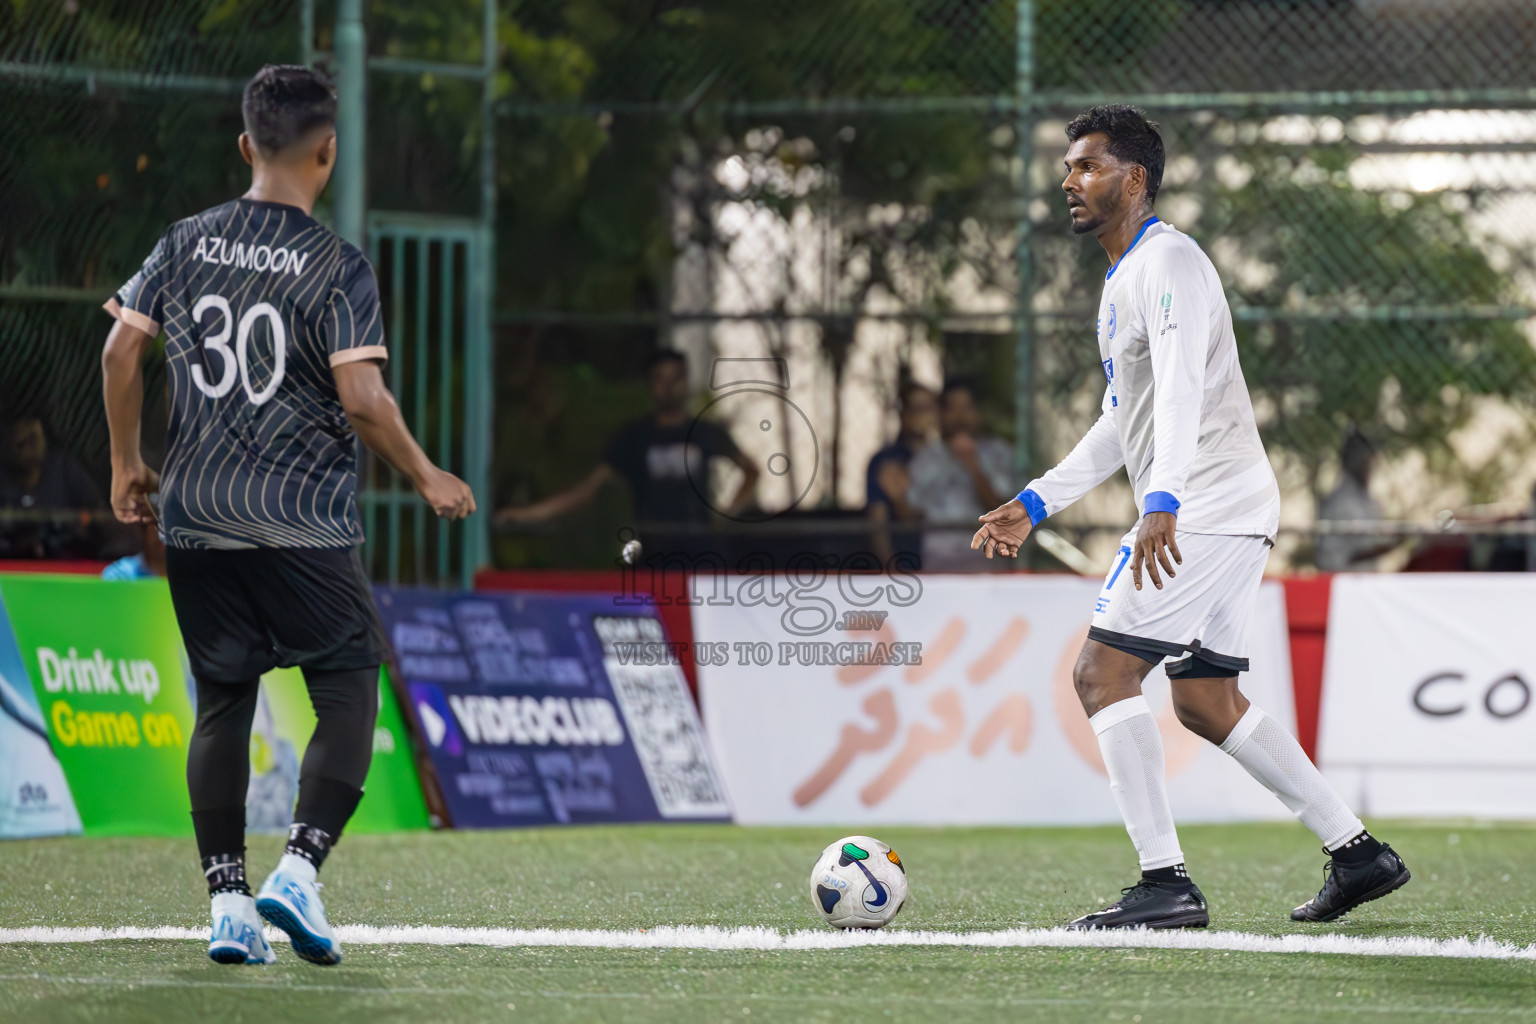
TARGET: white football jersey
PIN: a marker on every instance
(1176, 412)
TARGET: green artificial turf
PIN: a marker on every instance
(1469, 880)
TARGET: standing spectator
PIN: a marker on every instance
(956, 481)
(659, 456)
(887, 481)
(1351, 500)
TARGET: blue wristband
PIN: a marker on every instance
(1160, 501)
(1034, 505)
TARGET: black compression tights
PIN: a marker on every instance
(330, 779)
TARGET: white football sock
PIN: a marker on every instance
(1133, 755)
(1272, 755)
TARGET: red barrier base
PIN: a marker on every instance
(82, 568)
(1306, 609)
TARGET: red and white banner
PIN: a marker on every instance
(1427, 694)
(820, 710)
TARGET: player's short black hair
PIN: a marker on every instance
(664, 355)
(1132, 138)
(285, 102)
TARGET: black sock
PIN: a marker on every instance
(309, 842)
(1176, 873)
(326, 803)
(1362, 848)
(226, 873)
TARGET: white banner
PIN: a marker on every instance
(986, 729)
(1427, 694)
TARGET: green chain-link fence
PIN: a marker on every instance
(846, 182)
(864, 188)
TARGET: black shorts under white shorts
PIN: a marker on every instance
(245, 612)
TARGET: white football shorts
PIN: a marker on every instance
(1204, 611)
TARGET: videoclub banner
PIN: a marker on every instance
(534, 714)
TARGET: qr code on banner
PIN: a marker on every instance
(669, 739)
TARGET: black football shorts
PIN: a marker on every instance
(245, 612)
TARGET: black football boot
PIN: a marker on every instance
(1346, 886)
(1150, 904)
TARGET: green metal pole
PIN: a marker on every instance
(479, 351)
(445, 410)
(307, 30)
(1023, 342)
(351, 122)
(419, 385)
(396, 385)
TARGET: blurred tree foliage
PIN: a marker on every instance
(1380, 310)
(1411, 365)
(615, 118)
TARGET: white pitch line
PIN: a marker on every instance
(752, 938)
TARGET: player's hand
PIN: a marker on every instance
(131, 488)
(1154, 543)
(449, 496)
(1003, 530)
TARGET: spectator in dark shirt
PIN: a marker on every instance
(888, 482)
(664, 458)
(34, 476)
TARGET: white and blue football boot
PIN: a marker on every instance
(290, 899)
(237, 936)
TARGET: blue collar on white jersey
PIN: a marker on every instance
(1150, 221)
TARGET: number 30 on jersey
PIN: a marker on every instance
(238, 360)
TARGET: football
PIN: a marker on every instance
(858, 882)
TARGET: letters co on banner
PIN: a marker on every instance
(533, 714)
(949, 701)
(1427, 694)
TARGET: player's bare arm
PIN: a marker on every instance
(122, 366)
(1155, 543)
(1003, 530)
(372, 411)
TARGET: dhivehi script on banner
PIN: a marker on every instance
(939, 700)
(1428, 694)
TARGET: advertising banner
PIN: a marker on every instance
(939, 700)
(537, 711)
(34, 798)
(108, 672)
(392, 800)
(1427, 694)
(113, 698)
